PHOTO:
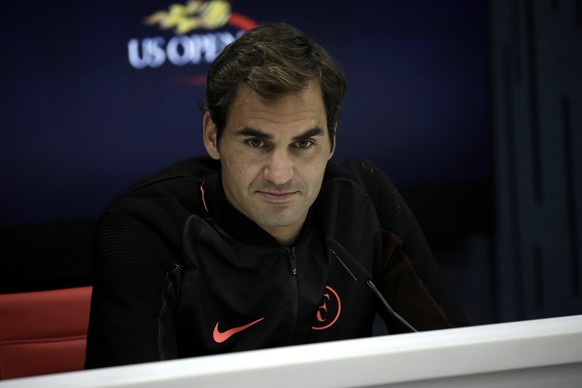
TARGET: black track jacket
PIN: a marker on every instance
(180, 273)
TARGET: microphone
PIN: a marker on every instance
(358, 272)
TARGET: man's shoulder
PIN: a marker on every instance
(175, 185)
(362, 172)
(195, 168)
(391, 208)
(372, 183)
(198, 167)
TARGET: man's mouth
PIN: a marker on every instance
(277, 197)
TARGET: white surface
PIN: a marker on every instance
(545, 352)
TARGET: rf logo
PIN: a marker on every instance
(329, 310)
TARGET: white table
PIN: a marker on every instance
(536, 353)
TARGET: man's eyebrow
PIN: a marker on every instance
(253, 133)
(309, 133)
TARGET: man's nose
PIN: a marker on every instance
(279, 168)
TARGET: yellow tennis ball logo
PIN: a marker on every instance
(195, 14)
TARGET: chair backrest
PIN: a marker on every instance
(43, 332)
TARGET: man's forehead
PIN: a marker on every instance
(312, 91)
(299, 111)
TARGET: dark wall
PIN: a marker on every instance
(536, 62)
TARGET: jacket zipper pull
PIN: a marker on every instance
(293, 261)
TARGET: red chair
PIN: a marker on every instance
(43, 332)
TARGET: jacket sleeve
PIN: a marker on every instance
(408, 277)
(136, 281)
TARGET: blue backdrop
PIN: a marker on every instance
(80, 122)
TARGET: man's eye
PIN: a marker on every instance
(304, 144)
(255, 143)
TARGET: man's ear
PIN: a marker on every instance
(210, 136)
(333, 144)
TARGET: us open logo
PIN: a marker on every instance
(194, 33)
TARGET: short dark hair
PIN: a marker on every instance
(273, 59)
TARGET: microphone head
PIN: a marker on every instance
(354, 267)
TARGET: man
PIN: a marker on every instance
(231, 253)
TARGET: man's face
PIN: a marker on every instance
(273, 155)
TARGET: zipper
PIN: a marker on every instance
(294, 293)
